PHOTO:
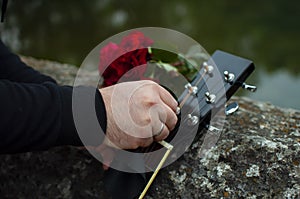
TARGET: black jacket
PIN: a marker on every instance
(36, 112)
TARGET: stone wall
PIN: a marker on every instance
(256, 156)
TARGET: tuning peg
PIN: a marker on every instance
(192, 89)
(210, 98)
(249, 87)
(192, 120)
(231, 108)
(178, 110)
(229, 77)
(212, 129)
(208, 68)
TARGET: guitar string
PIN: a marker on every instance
(203, 101)
(189, 93)
(196, 85)
(214, 89)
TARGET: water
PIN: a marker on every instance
(266, 32)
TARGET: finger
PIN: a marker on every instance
(167, 98)
(169, 117)
(146, 142)
(164, 121)
(157, 127)
(163, 134)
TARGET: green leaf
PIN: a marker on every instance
(163, 55)
(164, 52)
(166, 66)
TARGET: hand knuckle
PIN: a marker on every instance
(134, 144)
(143, 122)
(146, 133)
(174, 121)
(147, 142)
(165, 135)
(162, 137)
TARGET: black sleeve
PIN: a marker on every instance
(39, 116)
(13, 69)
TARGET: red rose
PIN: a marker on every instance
(108, 54)
(136, 58)
(135, 40)
(131, 65)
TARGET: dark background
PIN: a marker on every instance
(266, 32)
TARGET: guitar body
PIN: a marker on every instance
(200, 103)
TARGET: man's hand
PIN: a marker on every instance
(137, 114)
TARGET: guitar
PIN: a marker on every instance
(201, 103)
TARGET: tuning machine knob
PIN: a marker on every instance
(231, 108)
(192, 120)
(208, 68)
(249, 87)
(210, 98)
(229, 77)
(178, 110)
(191, 89)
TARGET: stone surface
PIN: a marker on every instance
(256, 156)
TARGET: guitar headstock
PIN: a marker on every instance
(219, 78)
(206, 95)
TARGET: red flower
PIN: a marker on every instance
(135, 40)
(131, 65)
(108, 54)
